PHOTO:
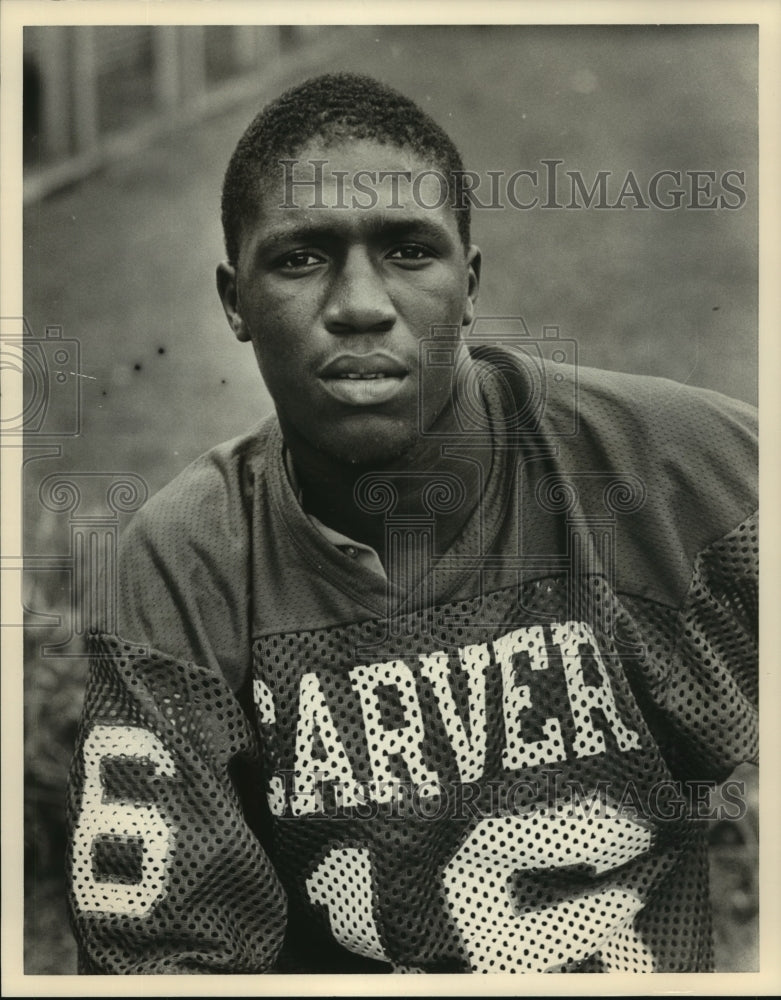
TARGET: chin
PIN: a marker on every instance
(373, 450)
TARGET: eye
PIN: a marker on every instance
(299, 260)
(411, 254)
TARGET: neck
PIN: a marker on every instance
(333, 492)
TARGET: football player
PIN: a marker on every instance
(431, 671)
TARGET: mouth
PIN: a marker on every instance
(378, 364)
(364, 379)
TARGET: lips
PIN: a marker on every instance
(364, 379)
(357, 366)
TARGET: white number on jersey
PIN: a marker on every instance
(342, 883)
(99, 817)
(477, 884)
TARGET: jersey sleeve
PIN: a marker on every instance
(183, 581)
(166, 871)
(687, 557)
(710, 691)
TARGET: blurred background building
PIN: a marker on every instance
(91, 92)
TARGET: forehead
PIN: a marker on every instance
(350, 156)
(349, 183)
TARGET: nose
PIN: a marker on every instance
(358, 301)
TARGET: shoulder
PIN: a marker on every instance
(183, 583)
(206, 497)
(689, 453)
(608, 419)
(669, 407)
(626, 407)
(698, 442)
(671, 467)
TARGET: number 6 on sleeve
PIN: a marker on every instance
(100, 817)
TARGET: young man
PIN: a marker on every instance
(432, 670)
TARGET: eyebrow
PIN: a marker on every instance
(380, 225)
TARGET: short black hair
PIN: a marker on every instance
(332, 107)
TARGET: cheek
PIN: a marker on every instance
(279, 330)
(439, 300)
(278, 366)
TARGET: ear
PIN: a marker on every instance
(228, 290)
(474, 261)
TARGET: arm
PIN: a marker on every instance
(712, 689)
(166, 874)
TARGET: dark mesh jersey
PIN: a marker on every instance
(288, 763)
